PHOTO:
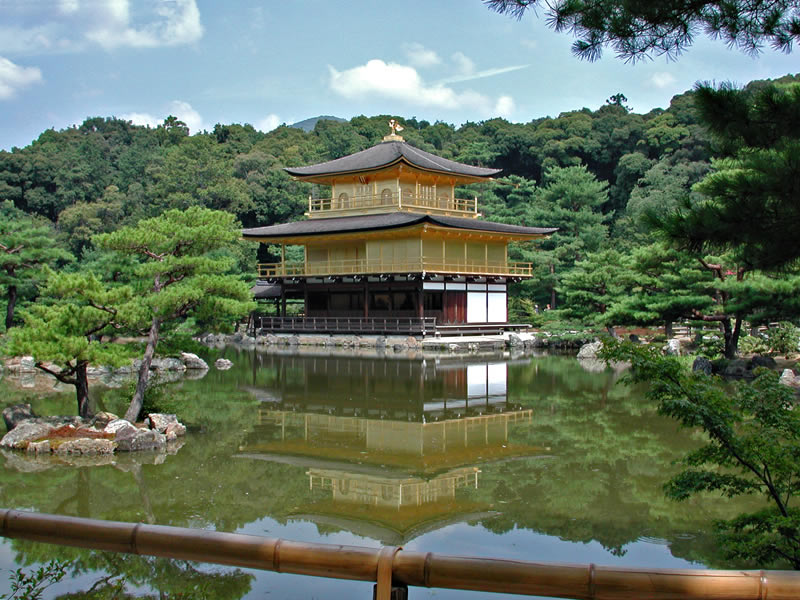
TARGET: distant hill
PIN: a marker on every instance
(309, 124)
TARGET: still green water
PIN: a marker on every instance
(533, 458)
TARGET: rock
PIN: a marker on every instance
(787, 378)
(452, 347)
(25, 432)
(737, 368)
(136, 440)
(13, 415)
(85, 446)
(102, 419)
(515, 341)
(673, 347)
(590, 350)
(399, 348)
(223, 364)
(703, 365)
(192, 361)
(540, 341)
(21, 364)
(118, 425)
(42, 447)
(97, 372)
(160, 421)
(294, 340)
(168, 364)
(763, 361)
(175, 430)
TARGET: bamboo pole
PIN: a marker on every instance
(584, 582)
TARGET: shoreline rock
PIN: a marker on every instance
(104, 435)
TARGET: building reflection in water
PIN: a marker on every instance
(400, 442)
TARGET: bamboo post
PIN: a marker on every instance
(394, 568)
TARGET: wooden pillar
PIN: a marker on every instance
(421, 299)
(366, 298)
(283, 299)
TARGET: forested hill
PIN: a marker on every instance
(591, 173)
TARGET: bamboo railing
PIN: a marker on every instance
(393, 566)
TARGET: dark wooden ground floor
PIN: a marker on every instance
(452, 300)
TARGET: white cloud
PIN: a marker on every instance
(504, 106)
(662, 80)
(14, 78)
(75, 25)
(419, 56)
(144, 119)
(187, 114)
(268, 123)
(482, 74)
(176, 22)
(403, 83)
(178, 108)
(464, 64)
(68, 6)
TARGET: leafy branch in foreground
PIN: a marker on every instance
(641, 28)
(31, 586)
(752, 447)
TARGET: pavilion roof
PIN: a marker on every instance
(386, 154)
(387, 221)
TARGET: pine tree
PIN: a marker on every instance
(26, 245)
(63, 332)
(183, 272)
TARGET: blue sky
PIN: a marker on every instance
(280, 61)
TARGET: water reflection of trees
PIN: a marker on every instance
(600, 480)
(611, 454)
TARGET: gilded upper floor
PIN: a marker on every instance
(388, 177)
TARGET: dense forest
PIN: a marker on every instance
(602, 177)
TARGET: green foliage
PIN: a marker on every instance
(65, 333)
(589, 289)
(751, 195)
(752, 447)
(31, 586)
(184, 271)
(638, 29)
(753, 344)
(784, 338)
(26, 245)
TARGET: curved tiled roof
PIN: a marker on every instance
(388, 153)
(393, 220)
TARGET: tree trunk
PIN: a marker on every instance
(553, 286)
(668, 329)
(612, 332)
(144, 372)
(731, 336)
(12, 301)
(82, 391)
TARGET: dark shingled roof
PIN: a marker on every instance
(385, 221)
(388, 153)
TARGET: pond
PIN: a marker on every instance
(531, 457)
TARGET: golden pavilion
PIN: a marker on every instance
(392, 249)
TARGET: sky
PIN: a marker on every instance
(281, 61)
